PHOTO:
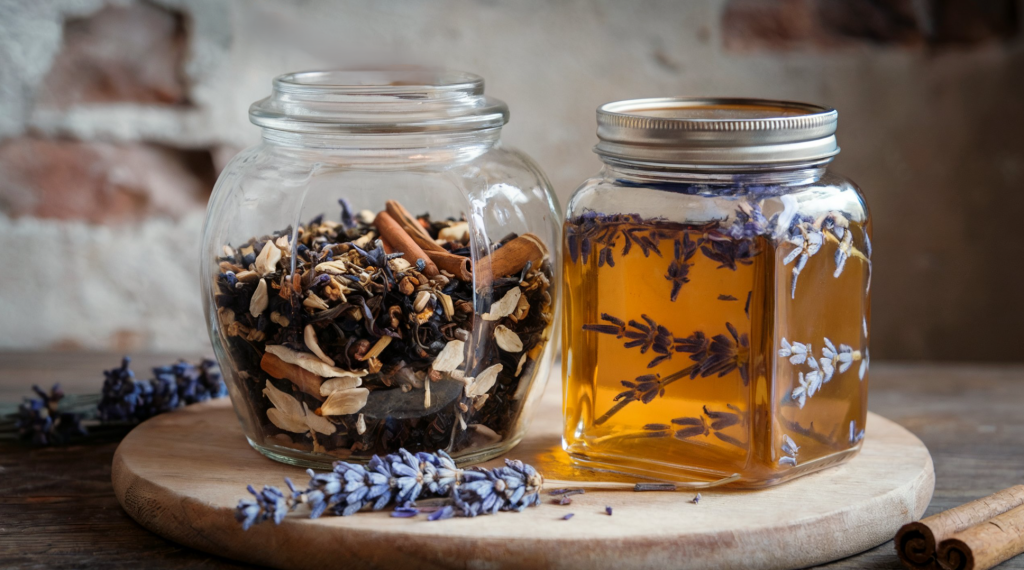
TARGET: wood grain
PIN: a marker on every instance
(58, 510)
(181, 474)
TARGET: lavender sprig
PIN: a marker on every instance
(53, 418)
(40, 420)
(400, 479)
(125, 399)
(719, 355)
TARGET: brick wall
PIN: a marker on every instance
(116, 116)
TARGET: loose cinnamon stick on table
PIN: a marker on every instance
(394, 235)
(917, 543)
(984, 545)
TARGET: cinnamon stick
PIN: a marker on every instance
(984, 545)
(457, 265)
(394, 235)
(510, 258)
(409, 223)
(917, 542)
(304, 379)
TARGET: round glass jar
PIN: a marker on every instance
(717, 282)
(377, 272)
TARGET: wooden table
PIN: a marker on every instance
(57, 507)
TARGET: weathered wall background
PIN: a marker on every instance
(116, 116)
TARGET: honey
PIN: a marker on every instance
(675, 344)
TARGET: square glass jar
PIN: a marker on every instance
(716, 305)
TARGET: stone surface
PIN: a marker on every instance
(930, 124)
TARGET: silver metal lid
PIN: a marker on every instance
(379, 101)
(716, 132)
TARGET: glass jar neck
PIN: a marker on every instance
(392, 148)
(726, 177)
(382, 115)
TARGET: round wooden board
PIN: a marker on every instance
(181, 475)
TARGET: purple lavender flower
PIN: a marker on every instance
(510, 488)
(749, 222)
(445, 512)
(401, 478)
(408, 477)
(121, 394)
(439, 472)
(269, 504)
(347, 219)
(40, 421)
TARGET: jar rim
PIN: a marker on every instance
(716, 131)
(378, 101)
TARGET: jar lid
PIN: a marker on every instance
(716, 132)
(393, 100)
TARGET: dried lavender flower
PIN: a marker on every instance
(41, 422)
(789, 450)
(608, 510)
(822, 369)
(511, 488)
(270, 503)
(855, 435)
(808, 240)
(568, 516)
(401, 479)
(121, 394)
(445, 512)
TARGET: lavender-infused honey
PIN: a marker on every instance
(715, 331)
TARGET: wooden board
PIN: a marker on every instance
(181, 474)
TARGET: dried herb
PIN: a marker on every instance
(711, 423)
(679, 269)
(789, 451)
(399, 479)
(855, 434)
(654, 487)
(54, 418)
(808, 234)
(728, 247)
(41, 422)
(719, 356)
(821, 369)
(354, 338)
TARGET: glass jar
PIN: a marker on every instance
(377, 272)
(717, 282)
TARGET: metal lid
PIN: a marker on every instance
(716, 132)
(391, 100)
